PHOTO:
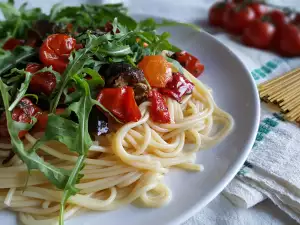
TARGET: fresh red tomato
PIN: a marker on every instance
(41, 82)
(277, 17)
(23, 113)
(177, 87)
(296, 19)
(237, 19)
(259, 34)
(217, 12)
(259, 9)
(289, 40)
(56, 50)
(189, 62)
(159, 110)
(12, 43)
(121, 103)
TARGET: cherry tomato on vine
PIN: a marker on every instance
(259, 9)
(217, 12)
(56, 50)
(237, 19)
(277, 17)
(259, 34)
(289, 40)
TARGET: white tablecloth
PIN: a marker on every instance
(220, 211)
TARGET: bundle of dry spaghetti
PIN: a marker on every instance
(122, 167)
(284, 91)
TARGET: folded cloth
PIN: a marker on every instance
(272, 169)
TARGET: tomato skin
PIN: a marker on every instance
(12, 43)
(217, 12)
(41, 82)
(159, 112)
(259, 9)
(289, 41)
(23, 113)
(236, 20)
(121, 103)
(278, 18)
(55, 51)
(177, 87)
(156, 69)
(259, 34)
(189, 62)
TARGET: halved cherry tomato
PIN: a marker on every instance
(159, 110)
(12, 43)
(237, 19)
(177, 87)
(41, 82)
(289, 40)
(217, 12)
(189, 62)
(259, 9)
(156, 69)
(121, 103)
(23, 113)
(259, 34)
(56, 50)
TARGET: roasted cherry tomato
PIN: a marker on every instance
(289, 40)
(259, 9)
(44, 82)
(237, 19)
(159, 112)
(23, 113)
(12, 43)
(56, 50)
(177, 87)
(259, 34)
(217, 12)
(42, 119)
(189, 62)
(157, 70)
(121, 103)
(109, 28)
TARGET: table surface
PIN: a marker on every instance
(220, 211)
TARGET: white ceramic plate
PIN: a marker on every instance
(235, 92)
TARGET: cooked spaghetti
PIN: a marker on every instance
(56, 166)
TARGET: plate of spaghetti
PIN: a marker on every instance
(107, 119)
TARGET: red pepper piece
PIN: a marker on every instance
(159, 110)
(189, 62)
(44, 82)
(56, 50)
(121, 103)
(177, 87)
(23, 113)
(12, 43)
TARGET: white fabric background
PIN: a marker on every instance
(220, 211)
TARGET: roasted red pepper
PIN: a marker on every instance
(44, 82)
(12, 43)
(121, 103)
(23, 113)
(177, 87)
(56, 50)
(159, 110)
(189, 62)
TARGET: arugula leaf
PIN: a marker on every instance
(55, 9)
(8, 10)
(21, 54)
(56, 176)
